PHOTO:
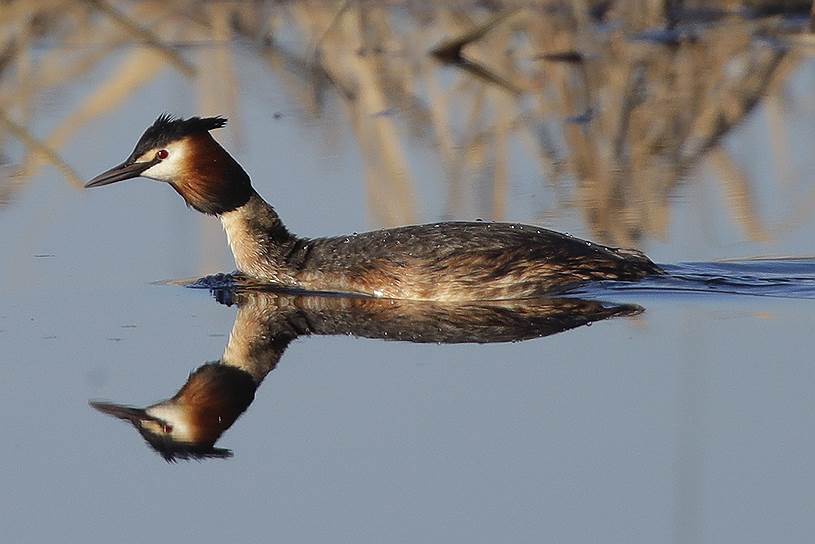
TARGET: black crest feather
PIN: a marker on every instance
(172, 450)
(168, 129)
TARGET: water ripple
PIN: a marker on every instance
(783, 278)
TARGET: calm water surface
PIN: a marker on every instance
(690, 421)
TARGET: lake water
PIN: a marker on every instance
(686, 420)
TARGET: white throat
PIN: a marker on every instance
(175, 415)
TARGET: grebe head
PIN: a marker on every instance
(188, 425)
(182, 152)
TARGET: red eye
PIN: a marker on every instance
(167, 428)
(162, 154)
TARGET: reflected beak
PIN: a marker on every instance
(120, 173)
(128, 413)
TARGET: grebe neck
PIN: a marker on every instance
(259, 241)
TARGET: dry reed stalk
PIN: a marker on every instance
(145, 35)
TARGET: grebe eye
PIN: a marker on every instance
(162, 154)
(167, 428)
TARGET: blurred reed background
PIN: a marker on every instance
(613, 101)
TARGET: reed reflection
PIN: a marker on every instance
(613, 103)
(188, 424)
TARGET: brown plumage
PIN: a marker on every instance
(200, 180)
(214, 396)
(457, 261)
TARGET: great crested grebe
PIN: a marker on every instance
(452, 261)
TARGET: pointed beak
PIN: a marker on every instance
(128, 413)
(120, 173)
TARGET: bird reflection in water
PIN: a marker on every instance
(187, 425)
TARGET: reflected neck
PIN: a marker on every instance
(259, 240)
(260, 335)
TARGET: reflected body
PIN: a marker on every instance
(187, 425)
(453, 261)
